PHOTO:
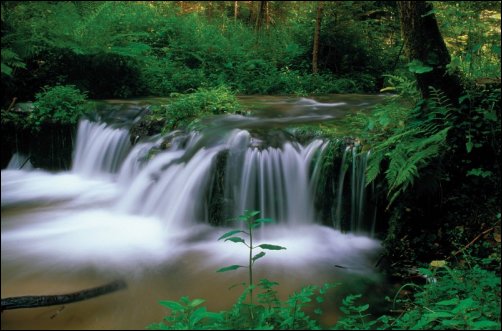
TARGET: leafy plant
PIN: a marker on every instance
(269, 313)
(454, 299)
(186, 315)
(58, 104)
(250, 223)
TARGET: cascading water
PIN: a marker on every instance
(100, 149)
(141, 212)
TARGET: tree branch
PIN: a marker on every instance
(60, 299)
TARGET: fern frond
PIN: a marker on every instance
(373, 167)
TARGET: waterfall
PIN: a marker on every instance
(175, 183)
(148, 211)
(358, 190)
(274, 180)
(100, 149)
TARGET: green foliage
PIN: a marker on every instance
(455, 299)
(187, 315)
(471, 30)
(58, 104)
(408, 140)
(452, 299)
(188, 109)
(402, 85)
(161, 48)
(11, 61)
(355, 315)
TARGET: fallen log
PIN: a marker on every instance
(32, 301)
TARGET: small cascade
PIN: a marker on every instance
(276, 182)
(358, 190)
(338, 220)
(19, 161)
(100, 149)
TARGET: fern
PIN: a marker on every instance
(373, 168)
(411, 148)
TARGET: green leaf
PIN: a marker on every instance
(425, 272)
(232, 267)
(465, 305)
(196, 302)
(490, 116)
(464, 97)
(173, 305)
(469, 145)
(6, 70)
(438, 314)
(418, 67)
(362, 308)
(257, 256)
(271, 247)
(236, 240)
(264, 220)
(231, 233)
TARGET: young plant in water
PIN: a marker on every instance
(251, 223)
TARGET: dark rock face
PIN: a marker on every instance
(146, 127)
(49, 148)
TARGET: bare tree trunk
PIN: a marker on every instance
(236, 10)
(423, 42)
(317, 32)
(267, 16)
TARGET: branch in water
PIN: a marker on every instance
(60, 299)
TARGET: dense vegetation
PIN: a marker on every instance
(435, 155)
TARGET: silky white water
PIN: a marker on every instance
(124, 212)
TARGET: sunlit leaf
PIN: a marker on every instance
(196, 302)
(173, 305)
(438, 263)
(418, 67)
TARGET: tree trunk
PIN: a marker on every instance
(267, 19)
(261, 13)
(423, 42)
(252, 12)
(317, 32)
(236, 10)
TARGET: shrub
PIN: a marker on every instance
(187, 108)
(58, 104)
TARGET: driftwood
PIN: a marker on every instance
(31, 301)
